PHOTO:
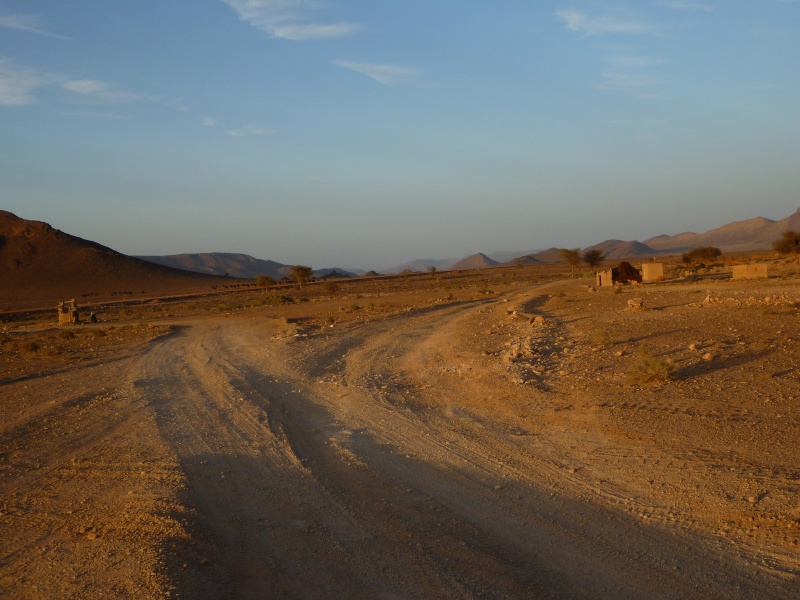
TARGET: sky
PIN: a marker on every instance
(365, 133)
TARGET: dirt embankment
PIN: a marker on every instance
(464, 448)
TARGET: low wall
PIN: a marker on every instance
(750, 271)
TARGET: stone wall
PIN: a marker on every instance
(750, 271)
(604, 279)
(652, 271)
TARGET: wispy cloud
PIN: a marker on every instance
(630, 73)
(100, 91)
(686, 5)
(28, 24)
(108, 116)
(628, 61)
(248, 130)
(386, 74)
(626, 82)
(290, 19)
(17, 84)
(607, 25)
(208, 122)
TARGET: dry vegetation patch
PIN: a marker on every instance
(30, 349)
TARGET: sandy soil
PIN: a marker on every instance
(430, 440)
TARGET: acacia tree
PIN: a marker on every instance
(572, 257)
(265, 281)
(331, 288)
(593, 257)
(788, 244)
(702, 254)
(301, 274)
(432, 270)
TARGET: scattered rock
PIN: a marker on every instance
(635, 304)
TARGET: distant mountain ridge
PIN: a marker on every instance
(221, 263)
(39, 262)
(422, 264)
(233, 265)
(617, 249)
(476, 261)
(740, 236)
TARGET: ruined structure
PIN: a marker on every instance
(653, 271)
(604, 279)
(625, 272)
(622, 273)
(68, 312)
(750, 271)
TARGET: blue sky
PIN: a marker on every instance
(365, 133)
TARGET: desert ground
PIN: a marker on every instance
(506, 433)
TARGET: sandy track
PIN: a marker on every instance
(339, 464)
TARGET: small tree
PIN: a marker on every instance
(301, 274)
(572, 257)
(593, 258)
(702, 254)
(265, 281)
(331, 288)
(432, 270)
(788, 244)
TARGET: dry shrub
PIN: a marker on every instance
(29, 347)
(601, 337)
(647, 369)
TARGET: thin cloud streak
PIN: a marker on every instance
(628, 73)
(28, 24)
(18, 85)
(98, 90)
(633, 61)
(582, 23)
(248, 131)
(385, 74)
(686, 5)
(626, 82)
(289, 19)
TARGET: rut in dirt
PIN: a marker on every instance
(314, 481)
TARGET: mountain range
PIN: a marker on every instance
(235, 265)
(40, 262)
(740, 236)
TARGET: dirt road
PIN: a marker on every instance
(241, 457)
